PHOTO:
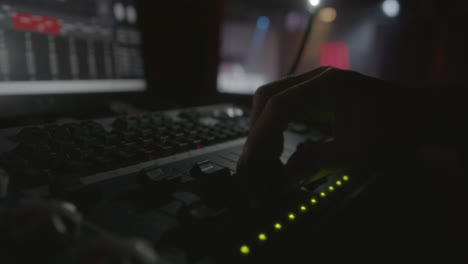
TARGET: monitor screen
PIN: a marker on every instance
(70, 46)
(250, 55)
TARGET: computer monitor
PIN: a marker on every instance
(69, 47)
(250, 54)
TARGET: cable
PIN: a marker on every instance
(303, 44)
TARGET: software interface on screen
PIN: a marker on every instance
(69, 46)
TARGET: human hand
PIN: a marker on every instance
(371, 122)
(376, 126)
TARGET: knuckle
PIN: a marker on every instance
(322, 68)
(333, 70)
(353, 74)
(339, 75)
(261, 91)
(276, 103)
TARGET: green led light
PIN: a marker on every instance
(291, 217)
(262, 237)
(303, 208)
(322, 194)
(346, 178)
(245, 250)
(338, 183)
(278, 226)
(331, 188)
(313, 201)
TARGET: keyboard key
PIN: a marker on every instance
(162, 139)
(208, 140)
(127, 135)
(208, 170)
(88, 147)
(102, 163)
(166, 150)
(123, 123)
(144, 122)
(146, 133)
(61, 133)
(94, 127)
(126, 158)
(86, 141)
(33, 135)
(181, 146)
(145, 142)
(226, 163)
(79, 131)
(63, 147)
(195, 143)
(161, 181)
(147, 154)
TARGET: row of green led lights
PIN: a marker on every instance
(262, 237)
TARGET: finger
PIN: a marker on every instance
(262, 143)
(333, 90)
(303, 165)
(264, 93)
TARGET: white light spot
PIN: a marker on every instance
(327, 15)
(391, 8)
(131, 15)
(119, 12)
(59, 224)
(314, 2)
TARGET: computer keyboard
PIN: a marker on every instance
(74, 150)
(153, 188)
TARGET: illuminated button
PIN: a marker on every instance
(346, 178)
(338, 183)
(262, 237)
(245, 250)
(131, 14)
(303, 208)
(291, 217)
(278, 226)
(323, 195)
(313, 201)
(119, 12)
(331, 188)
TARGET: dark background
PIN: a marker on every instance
(425, 45)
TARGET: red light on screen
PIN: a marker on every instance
(41, 24)
(334, 54)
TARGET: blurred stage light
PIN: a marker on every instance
(314, 2)
(336, 54)
(391, 8)
(263, 23)
(327, 15)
